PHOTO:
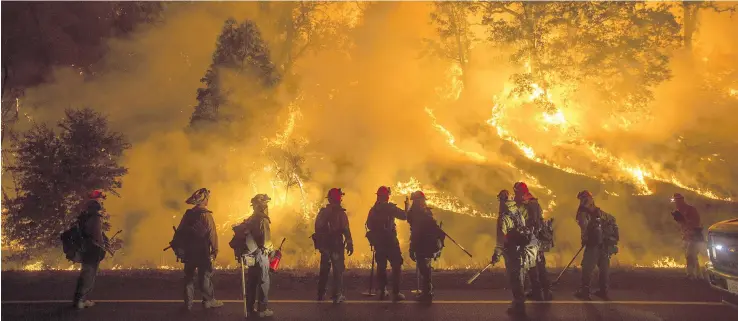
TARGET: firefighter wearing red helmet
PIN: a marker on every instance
(426, 242)
(382, 236)
(533, 214)
(331, 233)
(517, 245)
(599, 238)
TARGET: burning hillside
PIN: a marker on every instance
(292, 99)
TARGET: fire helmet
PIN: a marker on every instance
(417, 195)
(335, 195)
(503, 195)
(198, 197)
(97, 194)
(520, 188)
(384, 191)
(260, 199)
(584, 194)
(677, 196)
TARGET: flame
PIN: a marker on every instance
(451, 140)
(665, 263)
(733, 92)
(437, 199)
(634, 173)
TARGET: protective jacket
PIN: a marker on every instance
(380, 224)
(332, 229)
(426, 237)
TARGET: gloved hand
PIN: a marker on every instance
(495, 259)
(412, 255)
(350, 248)
(407, 203)
(214, 254)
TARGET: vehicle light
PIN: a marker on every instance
(718, 247)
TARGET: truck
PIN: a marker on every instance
(722, 268)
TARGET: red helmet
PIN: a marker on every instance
(520, 188)
(335, 194)
(384, 191)
(417, 195)
(677, 196)
(97, 194)
(584, 194)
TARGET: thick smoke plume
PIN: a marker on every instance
(371, 111)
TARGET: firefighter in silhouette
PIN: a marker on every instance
(426, 242)
(518, 246)
(600, 237)
(257, 227)
(198, 236)
(332, 235)
(92, 224)
(533, 215)
(692, 235)
(382, 236)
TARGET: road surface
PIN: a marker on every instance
(134, 295)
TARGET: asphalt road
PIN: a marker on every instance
(636, 295)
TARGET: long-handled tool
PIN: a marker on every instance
(567, 266)
(371, 277)
(170, 246)
(109, 241)
(457, 244)
(243, 288)
(473, 278)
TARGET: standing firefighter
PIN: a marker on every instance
(599, 238)
(382, 235)
(518, 245)
(533, 215)
(331, 233)
(689, 220)
(253, 241)
(196, 241)
(426, 242)
(94, 245)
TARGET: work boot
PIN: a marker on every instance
(547, 295)
(583, 294)
(602, 294)
(517, 310)
(321, 295)
(383, 295)
(339, 299)
(534, 295)
(187, 307)
(425, 298)
(80, 305)
(398, 297)
(264, 311)
(212, 304)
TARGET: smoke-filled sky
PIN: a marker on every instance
(371, 109)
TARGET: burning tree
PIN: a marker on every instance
(608, 45)
(54, 171)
